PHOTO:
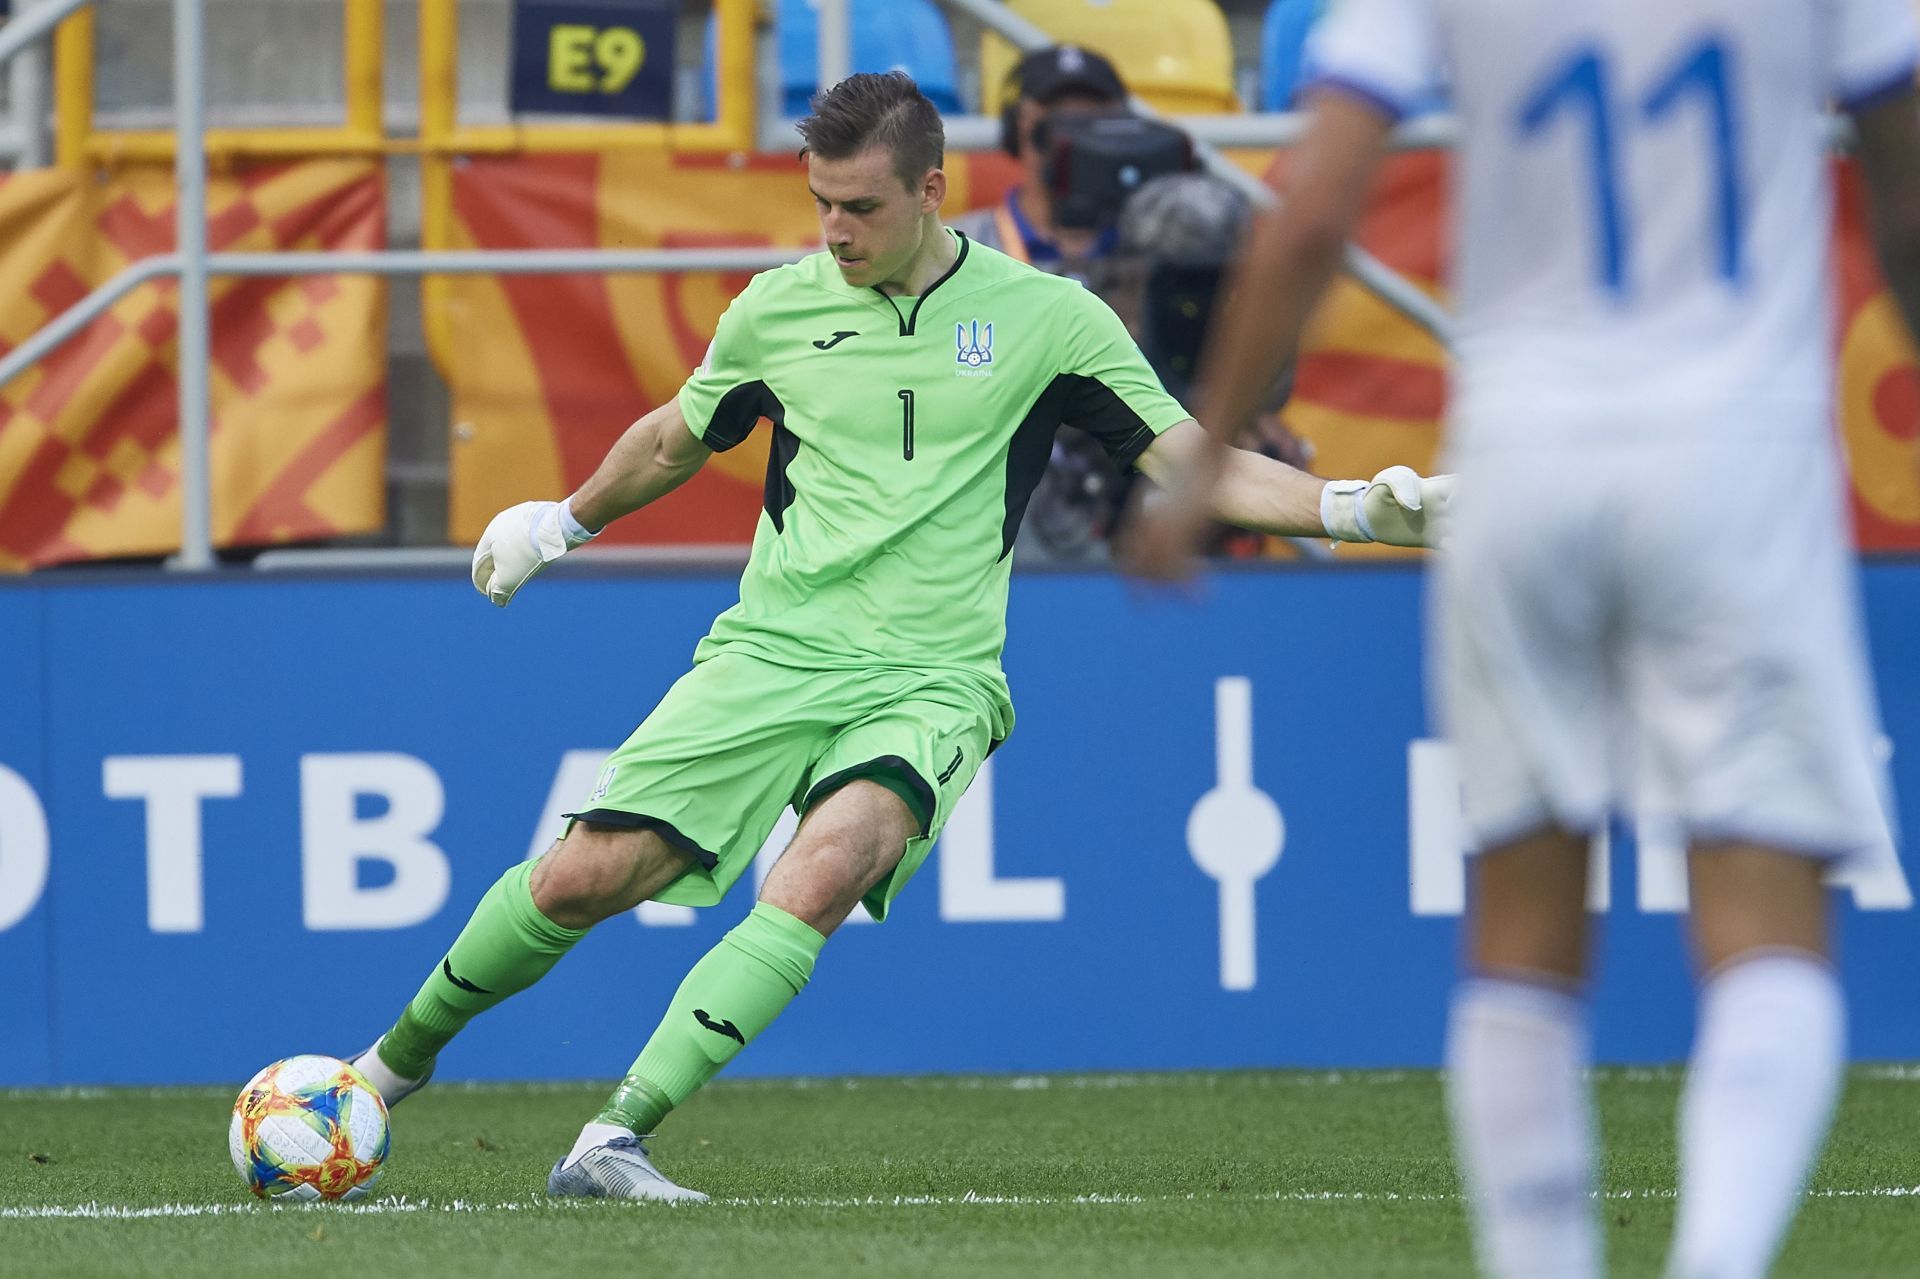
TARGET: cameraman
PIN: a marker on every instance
(1154, 253)
(1062, 80)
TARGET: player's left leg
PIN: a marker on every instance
(1517, 1055)
(873, 804)
(1522, 612)
(845, 846)
(842, 849)
(1767, 1059)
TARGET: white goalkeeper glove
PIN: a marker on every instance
(1397, 506)
(519, 542)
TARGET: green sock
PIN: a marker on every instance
(732, 994)
(506, 947)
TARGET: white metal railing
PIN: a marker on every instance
(25, 139)
(193, 265)
(196, 549)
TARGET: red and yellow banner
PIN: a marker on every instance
(89, 450)
(546, 372)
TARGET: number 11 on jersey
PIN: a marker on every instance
(1583, 87)
(906, 424)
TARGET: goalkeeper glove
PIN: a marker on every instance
(1397, 506)
(519, 542)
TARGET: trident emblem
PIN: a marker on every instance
(974, 346)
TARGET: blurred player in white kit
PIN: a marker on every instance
(1648, 599)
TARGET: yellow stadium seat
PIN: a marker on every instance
(1174, 53)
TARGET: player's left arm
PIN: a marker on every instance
(1293, 250)
(1252, 491)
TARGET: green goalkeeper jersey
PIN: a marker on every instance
(908, 434)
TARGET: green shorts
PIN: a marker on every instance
(738, 739)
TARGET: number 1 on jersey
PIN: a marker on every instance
(906, 424)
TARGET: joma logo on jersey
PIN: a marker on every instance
(973, 347)
(606, 784)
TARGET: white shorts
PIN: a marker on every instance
(1667, 630)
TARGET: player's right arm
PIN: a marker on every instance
(1889, 151)
(653, 457)
(715, 409)
(1874, 47)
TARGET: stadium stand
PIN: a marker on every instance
(1283, 38)
(905, 35)
(1283, 56)
(1176, 54)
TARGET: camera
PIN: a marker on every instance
(1096, 162)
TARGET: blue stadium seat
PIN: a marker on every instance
(908, 35)
(1283, 39)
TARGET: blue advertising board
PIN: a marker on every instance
(242, 817)
(594, 57)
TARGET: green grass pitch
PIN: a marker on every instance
(1256, 1173)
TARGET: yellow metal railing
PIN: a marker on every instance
(78, 143)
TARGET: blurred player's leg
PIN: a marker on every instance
(848, 843)
(530, 917)
(1747, 675)
(1517, 1055)
(1767, 1058)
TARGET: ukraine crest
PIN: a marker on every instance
(973, 344)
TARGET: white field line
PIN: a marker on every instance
(1892, 1072)
(403, 1204)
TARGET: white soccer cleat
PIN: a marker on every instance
(392, 1088)
(616, 1169)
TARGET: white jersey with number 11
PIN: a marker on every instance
(1641, 196)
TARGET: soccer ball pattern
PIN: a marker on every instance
(309, 1128)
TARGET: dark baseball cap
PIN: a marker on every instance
(1067, 68)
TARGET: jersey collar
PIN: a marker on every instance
(907, 318)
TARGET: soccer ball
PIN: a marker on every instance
(309, 1128)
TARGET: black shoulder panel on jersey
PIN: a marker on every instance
(1075, 400)
(1027, 455)
(738, 410)
(1095, 409)
(779, 494)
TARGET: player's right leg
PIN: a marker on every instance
(531, 916)
(1768, 1057)
(1748, 676)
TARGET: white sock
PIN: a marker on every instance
(1522, 1122)
(594, 1135)
(378, 1073)
(1766, 1070)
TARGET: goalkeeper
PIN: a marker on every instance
(914, 382)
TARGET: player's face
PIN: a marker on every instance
(872, 221)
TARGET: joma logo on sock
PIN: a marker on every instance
(446, 966)
(726, 1028)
